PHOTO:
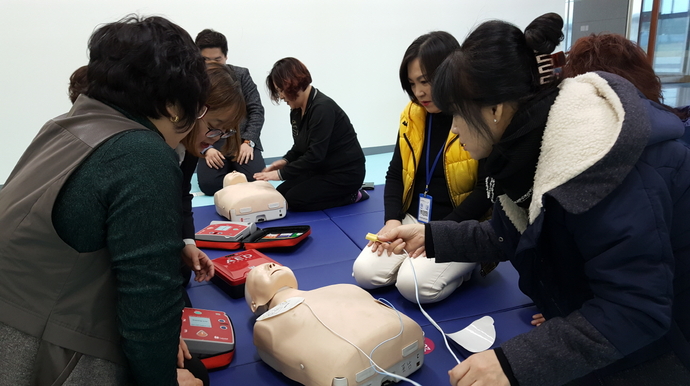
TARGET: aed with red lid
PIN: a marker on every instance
(231, 270)
(210, 335)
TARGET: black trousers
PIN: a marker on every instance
(211, 180)
(316, 191)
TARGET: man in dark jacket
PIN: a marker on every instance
(212, 170)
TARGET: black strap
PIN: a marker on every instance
(53, 364)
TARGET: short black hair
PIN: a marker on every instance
(142, 65)
(496, 64)
(209, 38)
(431, 49)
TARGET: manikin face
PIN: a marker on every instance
(214, 55)
(421, 87)
(472, 141)
(264, 281)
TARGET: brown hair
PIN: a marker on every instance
(615, 54)
(78, 83)
(226, 92)
(290, 76)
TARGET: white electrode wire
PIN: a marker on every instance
(402, 327)
(375, 366)
(433, 322)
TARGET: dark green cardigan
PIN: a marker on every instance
(126, 197)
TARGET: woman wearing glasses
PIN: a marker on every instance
(90, 290)
(325, 167)
(219, 118)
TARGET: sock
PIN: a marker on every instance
(361, 195)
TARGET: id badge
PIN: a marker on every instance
(424, 214)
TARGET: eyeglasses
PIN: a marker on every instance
(213, 133)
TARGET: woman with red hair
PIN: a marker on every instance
(325, 167)
(618, 55)
(614, 54)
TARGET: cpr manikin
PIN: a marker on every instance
(244, 201)
(292, 332)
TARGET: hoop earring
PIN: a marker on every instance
(174, 119)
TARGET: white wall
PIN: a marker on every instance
(353, 49)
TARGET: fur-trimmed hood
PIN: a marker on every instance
(596, 131)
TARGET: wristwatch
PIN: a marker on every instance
(250, 143)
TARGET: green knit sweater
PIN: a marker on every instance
(126, 197)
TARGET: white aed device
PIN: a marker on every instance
(207, 331)
(226, 231)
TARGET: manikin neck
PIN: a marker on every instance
(282, 294)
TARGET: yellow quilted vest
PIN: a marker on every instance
(460, 169)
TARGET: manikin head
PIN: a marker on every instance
(263, 282)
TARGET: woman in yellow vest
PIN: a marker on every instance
(429, 178)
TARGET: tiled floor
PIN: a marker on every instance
(377, 165)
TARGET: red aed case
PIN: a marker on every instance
(231, 270)
(210, 335)
(235, 235)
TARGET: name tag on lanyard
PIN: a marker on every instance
(424, 213)
(425, 200)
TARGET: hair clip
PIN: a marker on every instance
(549, 66)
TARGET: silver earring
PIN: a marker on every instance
(495, 120)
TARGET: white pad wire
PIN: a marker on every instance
(433, 322)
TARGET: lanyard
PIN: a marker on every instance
(428, 147)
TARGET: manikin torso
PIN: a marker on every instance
(244, 201)
(297, 344)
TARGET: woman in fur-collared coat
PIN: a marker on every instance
(592, 194)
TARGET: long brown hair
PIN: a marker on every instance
(226, 92)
